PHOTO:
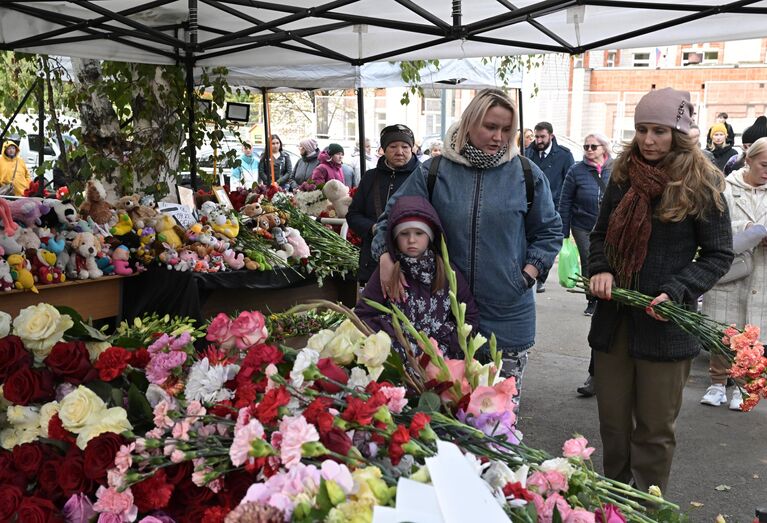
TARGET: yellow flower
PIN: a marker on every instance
(351, 512)
(112, 420)
(368, 486)
(40, 327)
(348, 329)
(47, 411)
(340, 349)
(654, 490)
(318, 341)
(374, 351)
(95, 348)
(79, 408)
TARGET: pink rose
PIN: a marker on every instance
(580, 515)
(552, 503)
(78, 509)
(109, 517)
(219, 331)
(609, 514)
(249, 329)
(577, 448)
(545, 483)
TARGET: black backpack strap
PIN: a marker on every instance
(529, 181)
(431, 179)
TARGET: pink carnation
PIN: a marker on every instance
(295, 432)
(248, 329)
(113, 502)
(395, 398)
(332, 471)
(577, 448)
(123, 458)
(243, 438)
(161, 418)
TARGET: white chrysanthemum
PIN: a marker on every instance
(206, 382)
(305, 359)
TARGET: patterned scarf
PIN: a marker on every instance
(630, 225)
(478, 158)
(422, 269)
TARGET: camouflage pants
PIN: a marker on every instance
(514, 366)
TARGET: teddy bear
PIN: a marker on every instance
(167, 231)
(82, 263)
(300, 247)
(141, 215)
(95, 204)
(121, 261)
(6, 280)
(338, 195)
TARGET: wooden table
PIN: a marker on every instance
(97, 299)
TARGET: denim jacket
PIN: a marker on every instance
(491, 236)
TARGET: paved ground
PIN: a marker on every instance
(715, 446)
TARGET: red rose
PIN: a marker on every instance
(28, 458)
(112, 362)
(316, 407)
(153, 493)
(99, 455)
(72, 474)
(399, 438)
(49, 477)
(8, 472)
(13, 356)
(70, 362)
(57, 431)
(268, 409)
(177, 473)
(419, 422)
(28, 385)
(139, 358)
(37, 510)
(10, 499)
(331, 371)
(336, 440)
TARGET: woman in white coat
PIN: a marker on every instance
(744, 300)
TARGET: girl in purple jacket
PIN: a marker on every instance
(414, 240)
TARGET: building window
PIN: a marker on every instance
(612, 58)
(433, 116)
(641, 60)
(578, 61)
(700, 57)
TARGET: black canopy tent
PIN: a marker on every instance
(200, 33)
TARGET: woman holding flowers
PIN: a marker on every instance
(741, 301)
(663, 230)
(500, 225)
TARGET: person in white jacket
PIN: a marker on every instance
(743, 300)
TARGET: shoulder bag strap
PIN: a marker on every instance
(529, 182)
(431, 179)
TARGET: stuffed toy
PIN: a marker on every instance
(9, 242)
(82, 264)
(121, 261)
(169, 256)
(141, 215)
(22, 276)
(63, 215)
(123, 226)
(28, 239)
(44, 267)
(95, 204)
(216, 263)
(300, 247)
(224, 224)
(338, 195)
(6, 280)
(167, 231)
(234, 260)
(5, 213)
(28, 211)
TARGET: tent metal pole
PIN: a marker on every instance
(267, 134)
(190, 96)
(41, 125)
(521, 121)
(361, 124)
(18, 109)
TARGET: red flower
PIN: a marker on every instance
(399, 438)
(317, 407)
(420, 420)
(517, 490)
(361, 411)
(70, 362)
(28, 458)
(10, 500)
(49, 477)
(245, 394)
(324, 421)
(38, 510)
(139, 358)
(57, 431)
(336, 440)
(28, 385)
(153, 493)
(261, 355)
(13, 356)
(331, 371)
(72, 474)
(112, 362)
(268, 409)
(8, 472)
(215, 515)
(99, 455)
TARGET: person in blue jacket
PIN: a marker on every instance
(495, 239)
(247, 171)
(582, 192)
(554, 160)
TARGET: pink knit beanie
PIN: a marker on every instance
(667, 107)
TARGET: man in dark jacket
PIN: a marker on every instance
(554, 160)
(377, 186)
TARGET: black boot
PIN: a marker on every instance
(587, 390)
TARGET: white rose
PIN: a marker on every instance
(95, 348)
(305, 359)
(318, 341)
(359, 379)
(47, 411)
(40, 327)
(21, 417)
(5, 324)
(112, 420)
(340, 349)
(80, 408)
(348, 329)
(561, 465)
(374, 351)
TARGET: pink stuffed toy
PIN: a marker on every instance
(28, 211)
(120, 259)
(233, 260)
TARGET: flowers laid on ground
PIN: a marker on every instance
(742, 349)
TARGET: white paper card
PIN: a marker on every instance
(418, 496)
(384, 515)
(462, 494)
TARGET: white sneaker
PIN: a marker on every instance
(715, 395)
(736, 401)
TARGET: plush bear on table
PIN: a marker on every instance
(82, 264)
(6, 280)
(338, 195)
(167, 231)
(95, 204)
